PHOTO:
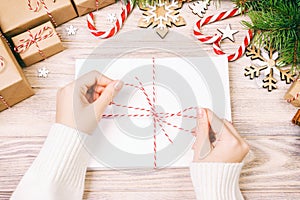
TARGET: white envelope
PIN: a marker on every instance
(127, 141)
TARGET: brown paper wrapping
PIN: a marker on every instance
(296, 118)
(15, 16)
(48, 46)
(87, 6)
(14, 86)
(293, 91)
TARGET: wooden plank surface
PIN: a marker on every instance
(272, 168)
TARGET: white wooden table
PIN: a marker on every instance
(264, 119)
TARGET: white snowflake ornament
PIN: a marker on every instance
(111, 17)
(199, 7)
(71, 30)
(43, 72)
(162, 16)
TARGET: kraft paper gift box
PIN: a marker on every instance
(17, 17)
(87, 6)
(293, 94)
(37, 44)
(14, 86)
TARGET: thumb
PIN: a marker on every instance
(202, 146)
(106, 97)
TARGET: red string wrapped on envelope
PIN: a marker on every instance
(159, 118)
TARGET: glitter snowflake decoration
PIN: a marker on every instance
(265, 61)
(199, 7)
(71, 30)
(111, 17)
(162, 16)
(43, 72)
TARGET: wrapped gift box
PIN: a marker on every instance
(37, 44)
(87, 6)
(17, 16)
(293, 94)
(14, 87)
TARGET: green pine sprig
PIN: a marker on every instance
(277, 24)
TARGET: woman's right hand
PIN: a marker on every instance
(228, 147)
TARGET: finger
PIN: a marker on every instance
(106, 97)
(194, 132)
(202, 144)
(93, 77)
(96, 96)
(216, 124)
(98, 88)
(233, 130)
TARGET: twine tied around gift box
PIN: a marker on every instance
(2, 63)
(37, 9)
(159, 118)
(4, 102)
(42, 34)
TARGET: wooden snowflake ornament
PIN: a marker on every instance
(199, 7)
(265, 62)
(162, 16)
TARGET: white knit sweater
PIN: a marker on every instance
(58, 172)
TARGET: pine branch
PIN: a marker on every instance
(276, 23)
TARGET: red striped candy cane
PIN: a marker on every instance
(216, 39)
(239, 52)
(37, 8)
(117, 25)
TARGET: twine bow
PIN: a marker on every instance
(159, 118)
(43, 34)
(38, 7)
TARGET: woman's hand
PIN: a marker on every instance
(225, 142)
(80, 104)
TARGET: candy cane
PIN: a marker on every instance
(117, 24)
(216, 39)
(239, 52)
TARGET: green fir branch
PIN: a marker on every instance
(276, 23)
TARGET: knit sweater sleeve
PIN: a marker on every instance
(59, 170)
(216, 181)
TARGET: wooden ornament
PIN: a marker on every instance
(199, 7)
(268, 66)
(162, 16)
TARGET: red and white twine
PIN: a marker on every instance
(117, 24)
(4, 102)
(42, 34)
(2, 63)
(216, 39)
(159, 118)
(37, 9)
